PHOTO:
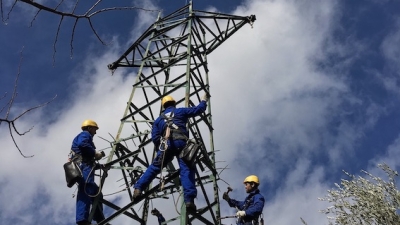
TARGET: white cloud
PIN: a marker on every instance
(298, 197)
(271, 85)
(389, 157)
(391, 52)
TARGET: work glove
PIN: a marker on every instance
(241, 214)
(225, 196)
(205, 97)
(98, 155)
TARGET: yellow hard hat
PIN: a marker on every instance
(167, 99)
(251, 178)
(89, 123)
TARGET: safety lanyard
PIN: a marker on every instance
(247, 202)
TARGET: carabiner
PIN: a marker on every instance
(163, 145)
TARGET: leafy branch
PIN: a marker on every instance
(369, 200)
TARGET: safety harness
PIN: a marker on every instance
(173, 132)
(246, 206)
(78, 158)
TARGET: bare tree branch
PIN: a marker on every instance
(9, 12)
(58, 11)
(34, 18)
(56, 38)
(5, 94)
(11, 122)
(90, 12)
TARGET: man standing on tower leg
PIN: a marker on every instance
(175, 143)
(84, 153)
(251, 208)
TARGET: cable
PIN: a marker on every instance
(176, 203)
(87, 178)
(113, 193)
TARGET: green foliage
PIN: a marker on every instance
(363, 201)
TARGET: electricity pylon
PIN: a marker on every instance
(170, 59)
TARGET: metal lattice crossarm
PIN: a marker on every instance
(194, 25)
(170, 58)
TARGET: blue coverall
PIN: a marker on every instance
(83, 145)
(253, 205)
(160, 218)
(187, 173)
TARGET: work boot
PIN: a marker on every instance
(190, 206)
(136, 193)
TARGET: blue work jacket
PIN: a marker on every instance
(180, 118)
(253, 205)
(83, 145)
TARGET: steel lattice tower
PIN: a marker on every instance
(171, 59)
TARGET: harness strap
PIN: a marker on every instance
(247, 204)
(173, 130)
(78, 158)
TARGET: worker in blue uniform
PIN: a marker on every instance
(251, 208)
(83, 151)
(176, 142)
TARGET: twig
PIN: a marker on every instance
(11, 122)
(71, 14)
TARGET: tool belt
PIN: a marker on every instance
(78, 158)
(172, 131)
(177, 135)
(72, 168)
(189, 152)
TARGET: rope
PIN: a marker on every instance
(164, 143)
(84, 187)
(113, 193)
(162, 180)
(176, 203)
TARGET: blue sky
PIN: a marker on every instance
(311, 90)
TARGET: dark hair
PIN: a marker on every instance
(87, 127)
(253, 184)
(168, 104)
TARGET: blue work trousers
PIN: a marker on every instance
(83, 200)
(187, 173)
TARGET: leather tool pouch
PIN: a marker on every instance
(189, 152)
(72, 173)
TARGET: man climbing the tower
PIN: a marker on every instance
(172, 146)
(251, 208)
